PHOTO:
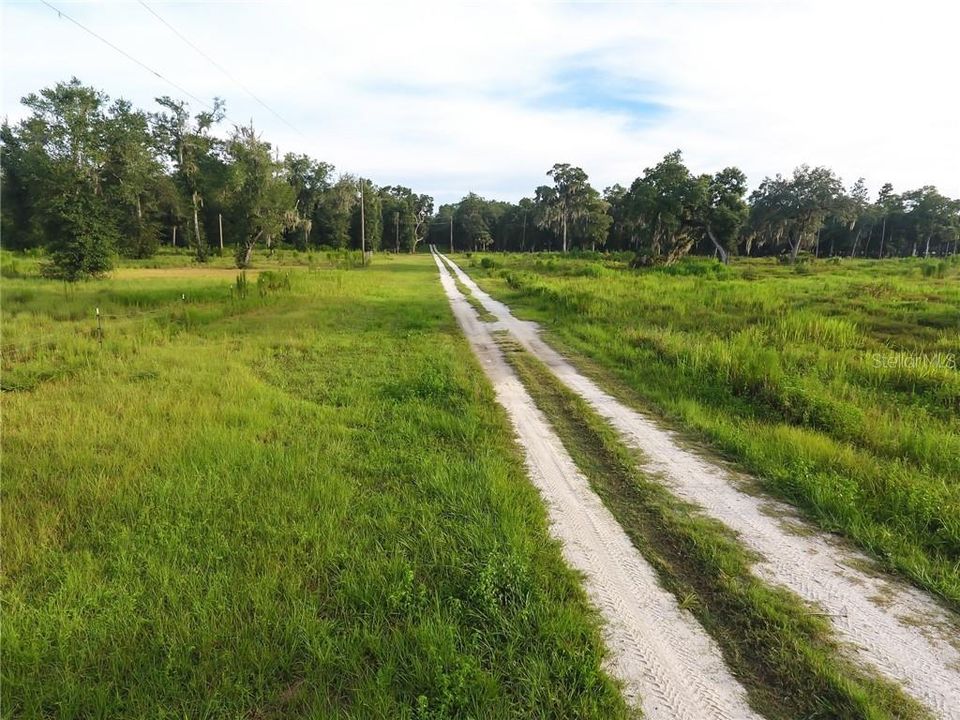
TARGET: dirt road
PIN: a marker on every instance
(898, 630)
(666, 661)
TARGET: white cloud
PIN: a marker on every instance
(442, 96)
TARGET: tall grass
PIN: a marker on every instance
(304, 503)
(839, 388)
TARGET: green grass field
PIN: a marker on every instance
(836, 383)
(298, 501)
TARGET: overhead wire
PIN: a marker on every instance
(130, 57)
(219, 67)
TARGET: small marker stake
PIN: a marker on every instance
(99, 327)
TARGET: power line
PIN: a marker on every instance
(129, 56)
(219, 67)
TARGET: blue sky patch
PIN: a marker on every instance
(583, 87)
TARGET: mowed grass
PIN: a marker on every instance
(836, 384)
(305, 504)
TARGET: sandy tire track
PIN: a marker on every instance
(666, 661)
(897, 629)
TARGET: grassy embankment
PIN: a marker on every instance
(302, 504)
(836, 384)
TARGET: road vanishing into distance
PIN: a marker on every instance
(660, 652)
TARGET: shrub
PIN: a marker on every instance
(270, 281)
(10, 268)
(242, 286)
(934, 269)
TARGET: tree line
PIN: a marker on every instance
(87, 178)
(670, 211)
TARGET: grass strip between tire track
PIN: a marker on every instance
(781, 649)
(484, 314)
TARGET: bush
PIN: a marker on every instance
(10, 268)
(345, 259)
(641, 260)
(242, 286)
(934, 269)
(270, 281)
(83, 238)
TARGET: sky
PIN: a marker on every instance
(454, 97)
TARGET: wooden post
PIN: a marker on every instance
(99, 328)
(174, 235)
(220, 221)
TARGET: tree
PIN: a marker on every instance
(397, 220)
(335, 210)
(406, 216)
(310, 180)
(59, 156)
(132, 177)
(593, 225)
(566, 201)
(726, 211)
(83, 235)
(19, 218)
(525, 227)
(187, 142)
(931, 217)
(262, 203)
(665, 210)
(620, 236)
(547, 210)
(422, 211)
(794, 209)
(860, 213)
(890, 208)
(470, 217)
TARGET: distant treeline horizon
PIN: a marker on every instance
(87, 178)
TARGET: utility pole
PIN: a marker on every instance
(451, 233)
(363, 230)
(883, 234)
